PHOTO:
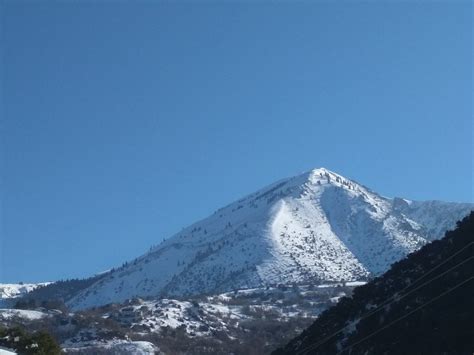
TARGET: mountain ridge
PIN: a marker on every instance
(314, 227)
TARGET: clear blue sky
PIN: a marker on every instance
(123, 122)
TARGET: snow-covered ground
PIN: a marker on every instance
(115, 346)
(5, 351)
(8, 314)
(312, 228)
(196, 318)
(220, 316)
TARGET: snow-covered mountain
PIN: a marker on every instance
(10, 292)
(315, 227)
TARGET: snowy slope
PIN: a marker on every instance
(17, 290)
(7, 314)
(315, 227)
(8, 292)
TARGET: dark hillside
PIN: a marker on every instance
(59, 291)
(422, 305)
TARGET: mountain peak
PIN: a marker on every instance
(323, 176)
(320, 170)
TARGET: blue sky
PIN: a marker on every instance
(123, 122)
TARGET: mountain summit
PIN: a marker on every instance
(312, 228)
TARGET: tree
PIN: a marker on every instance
(40, 343)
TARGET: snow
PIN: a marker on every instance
(317, 227)
(226, 314)
(196, 318)
(231, 314)
(5, 351)
(8, 292)
(116, 346)
(8, 314)
(356, 283)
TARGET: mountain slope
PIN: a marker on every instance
(422, 305)
(11, 292)
(318, 226)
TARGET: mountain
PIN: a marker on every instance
(17, 290)
(10, 292)
(312, 228)
(422, 305)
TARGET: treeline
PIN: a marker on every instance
(59, 291)
(31, 303)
